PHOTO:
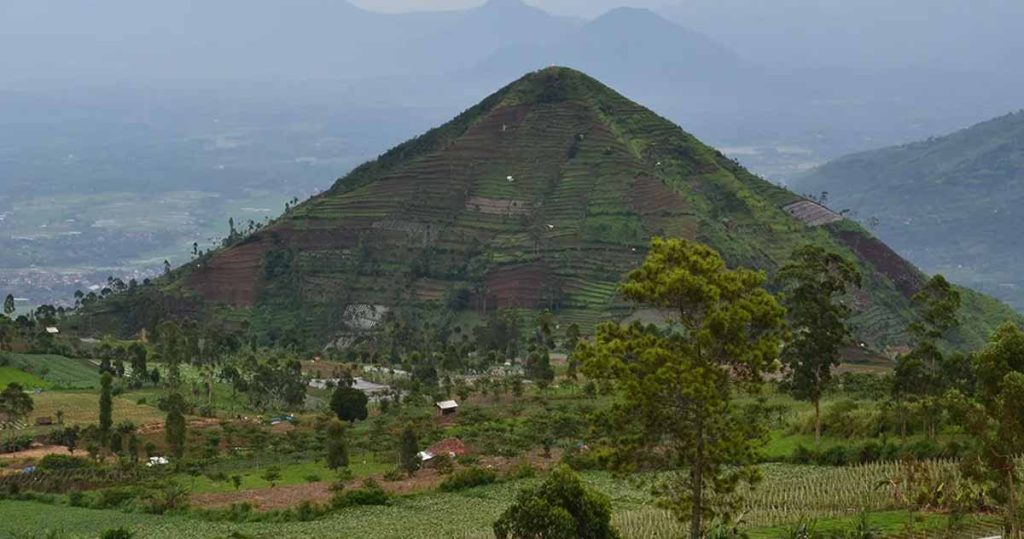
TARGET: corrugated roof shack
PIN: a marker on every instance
(447, 407)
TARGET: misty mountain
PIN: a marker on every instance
(951, 204)
(951, 35)
(261, 40)
(624, 44)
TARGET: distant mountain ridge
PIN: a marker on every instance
(952, 204)
(542, 196)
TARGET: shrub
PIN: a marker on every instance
(113, 497)
(561, 506)
(836, 455)
(394, 474)
(803, 455)
(468, 478)
(117, 533)
(592, 459)
(76, 499)
(522, 470)
(64, 462)
(370, 494)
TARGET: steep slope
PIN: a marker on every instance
(950, 204)
(542, 196)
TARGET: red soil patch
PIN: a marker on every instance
(903, 274)
(451, 446)
(527, 286)
(230, 276)
(650, 195)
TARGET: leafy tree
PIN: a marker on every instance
(9, 305)
(561, 507)
(815, 279)
(919, 374)
(408, 452)
(349, 404)
(116, 443)
(69, 438)
(138, 356)
(337, 445)
(15, 403)
(106, 420)
(996, 421)
(676, 383)
(572, 339)
(538, 367)
(272, 475)
(174, 425)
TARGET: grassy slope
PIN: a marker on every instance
(58, 371)
(10, 375)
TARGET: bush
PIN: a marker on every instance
(588, 459)
(561, 506)
(370, 494)
(522, 470)
(19, 443)
(468, 478)
(394, 474)
(76, 499)
(117, 533)
(113, 498)
(64, 462)
(836, 455)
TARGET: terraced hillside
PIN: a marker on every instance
(542, 196)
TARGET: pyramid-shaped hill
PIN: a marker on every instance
(543, 196)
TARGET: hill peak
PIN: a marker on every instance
(554, 84)
(541, 197)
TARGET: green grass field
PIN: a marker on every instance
(9, 375)
(291, 474)
(57, 371)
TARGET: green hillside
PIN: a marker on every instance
(952, 205)
(541, 197)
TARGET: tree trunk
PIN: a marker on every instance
(1012, 510)
(697, 485)
(817, 422)
(903, 421)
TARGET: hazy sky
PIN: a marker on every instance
(586, 8)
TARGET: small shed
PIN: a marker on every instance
(447, 407)
(52, 330)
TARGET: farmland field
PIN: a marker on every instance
(798, 491)
(82, 408)
(57, 371)
(9, 375)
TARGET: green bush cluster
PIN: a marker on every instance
(371, 493)
(468, 478)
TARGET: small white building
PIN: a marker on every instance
(52, 330)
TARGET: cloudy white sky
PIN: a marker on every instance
(585, 8)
